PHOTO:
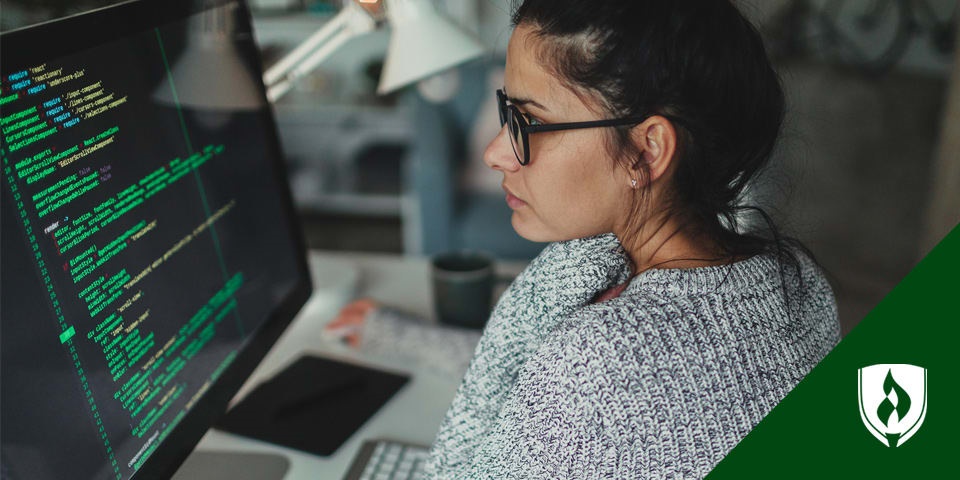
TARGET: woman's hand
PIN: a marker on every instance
(348, 324)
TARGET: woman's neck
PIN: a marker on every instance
(666, 244)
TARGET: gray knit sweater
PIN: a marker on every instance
(660, 382)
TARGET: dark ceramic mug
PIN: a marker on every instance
(463, 288)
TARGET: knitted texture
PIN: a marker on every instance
(396, 334)
(660, 382)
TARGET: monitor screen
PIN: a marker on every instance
(150, 253)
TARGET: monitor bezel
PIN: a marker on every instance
(111, 23)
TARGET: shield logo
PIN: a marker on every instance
(893, 401)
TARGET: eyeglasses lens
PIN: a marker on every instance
(508, 116)
(502, 107)
(516, 139)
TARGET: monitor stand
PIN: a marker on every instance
(213, 465)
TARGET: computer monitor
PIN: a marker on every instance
(150, 253)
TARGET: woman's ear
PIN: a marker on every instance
(656, 139)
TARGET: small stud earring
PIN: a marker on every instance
(633, 183)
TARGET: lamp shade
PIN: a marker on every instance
(422, 43)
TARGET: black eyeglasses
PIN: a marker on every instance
(520, 128)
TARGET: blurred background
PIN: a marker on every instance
(867, 173)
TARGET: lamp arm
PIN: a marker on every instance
(289, 61)
(280, 88)
(352, 20)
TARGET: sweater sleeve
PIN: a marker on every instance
(394, 333)
(549, 426)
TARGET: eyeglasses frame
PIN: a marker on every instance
(526, 129)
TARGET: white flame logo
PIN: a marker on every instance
(893, 401)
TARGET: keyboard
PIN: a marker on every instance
(388, 460)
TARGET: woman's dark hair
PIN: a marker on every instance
(700, 64)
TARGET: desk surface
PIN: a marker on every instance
(413, 414)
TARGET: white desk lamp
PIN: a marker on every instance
(423, 43)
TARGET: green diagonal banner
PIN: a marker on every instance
(893, 380)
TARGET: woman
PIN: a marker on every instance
(656, 330)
